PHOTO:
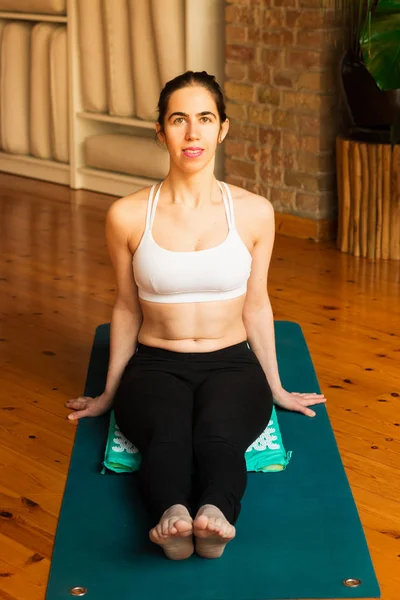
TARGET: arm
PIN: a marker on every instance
(258, 317)
(127, 317)
(257, 312)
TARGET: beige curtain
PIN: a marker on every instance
(3, 23)
(59, 94)
(40, 105)
(205, 24)
(168, 20)
(146, 78)
(92, 55)
(14, 87)
(118, 58)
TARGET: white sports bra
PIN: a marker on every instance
(218, 273)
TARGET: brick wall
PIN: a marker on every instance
(282, 103)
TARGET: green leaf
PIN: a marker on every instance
(380, 46)
(388, 6)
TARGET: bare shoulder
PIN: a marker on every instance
(252, 208)
(126, 216)
(129, 207)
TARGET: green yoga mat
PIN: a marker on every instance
(298, 536)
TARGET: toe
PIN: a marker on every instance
(158, 530)
(183, 526)
(219, 525)
(164, 526)
(201, 522)
(212, 525)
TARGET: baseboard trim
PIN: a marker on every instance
(299, 227)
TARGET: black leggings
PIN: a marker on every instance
(192, 415)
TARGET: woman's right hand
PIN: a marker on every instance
(85, 406)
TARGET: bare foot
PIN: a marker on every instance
(212, 532)
(174, 533)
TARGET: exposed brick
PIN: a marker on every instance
(272, 57)
(240, 168)
(282, 197)
(278, 38)
(239, 92)
(272, 38)
(236, 111)
(268, 95)
(310, 143)
(308, 125)
(246, 15)
(282, 102)
(236, 71)
(285, 3)
(307, 38)
(233, 180)
(301, 181)
(307, 204)
(254, 153)
(254, 34)
(282, 159)
(235, 148)
(259, 74)
(239, 53)
(310, 81)
(274, 18)
(253, 187)
(325, 4)
(271, 175)
(290, 140)
(244, 132)
(286, 78)
(285, 120)
(235, 34)
(304, 19)
(270, 137)
(301, 102)
(317, 163)
(260, 114)
(304, 59)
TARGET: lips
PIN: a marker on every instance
(193, 152)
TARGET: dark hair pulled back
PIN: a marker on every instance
(187, 79)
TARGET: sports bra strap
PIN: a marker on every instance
(227, 196)
(152, 206)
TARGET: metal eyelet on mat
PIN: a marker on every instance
(351, 582)
(78, 591)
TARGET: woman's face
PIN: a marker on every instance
(192, 128)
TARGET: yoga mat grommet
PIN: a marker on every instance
(352, 582)
(78, 591)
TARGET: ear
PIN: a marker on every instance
(160, 133)
(223, 131)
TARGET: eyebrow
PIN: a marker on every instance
(201, 114)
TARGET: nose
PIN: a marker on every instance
(192, 131)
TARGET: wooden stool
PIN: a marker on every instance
(368, 176)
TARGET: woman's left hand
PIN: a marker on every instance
(298, 402)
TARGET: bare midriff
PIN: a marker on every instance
(193, 326)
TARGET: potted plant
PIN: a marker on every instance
(368, 151)
(370, 66)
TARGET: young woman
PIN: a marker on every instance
(191, 258)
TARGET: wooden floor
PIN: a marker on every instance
(56, 286)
